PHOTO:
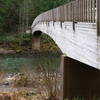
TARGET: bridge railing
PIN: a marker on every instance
(75, 11)
(98, 17)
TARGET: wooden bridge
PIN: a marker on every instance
(75, 28)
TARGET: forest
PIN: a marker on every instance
(15, 15)
(16, 18)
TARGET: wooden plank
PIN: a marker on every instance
(88, 11)
(98, 17)
(76, 11)
(70, 12)
(57, 14)
(83, 10)
(86, 5)
(79, 10)
(67, 12)
(81, 7)
(85, 1)
(62, 15)
(93, 11)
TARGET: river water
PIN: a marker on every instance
(15, 63)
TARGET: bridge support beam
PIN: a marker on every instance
(79, 80)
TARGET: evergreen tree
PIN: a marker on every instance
(19, 14)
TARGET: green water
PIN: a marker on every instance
(18, 62)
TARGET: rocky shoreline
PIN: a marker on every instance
(4, 51)
(30, 52)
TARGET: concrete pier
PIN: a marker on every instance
(36, 40)
(35, 43)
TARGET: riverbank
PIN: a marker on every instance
(23, 70)
(30, 85)
(22, 43)
(25, 81)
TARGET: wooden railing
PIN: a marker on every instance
(98, 17)
(76, 11)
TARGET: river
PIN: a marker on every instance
(15, 63)
(17, 73)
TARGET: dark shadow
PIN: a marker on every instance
(37, 34)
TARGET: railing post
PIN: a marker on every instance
(98, 16)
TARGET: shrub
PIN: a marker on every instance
(21, 80)
(21, 38)
(49, 90)
(45, 38)
(25, 38)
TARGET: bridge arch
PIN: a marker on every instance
(37, 33)
(36, 37)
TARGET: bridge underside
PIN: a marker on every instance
(80, 80)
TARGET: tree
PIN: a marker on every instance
(9, 15)
(19, 14)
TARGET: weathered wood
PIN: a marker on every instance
(78, 10)
(98, 17)
(79, 80)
